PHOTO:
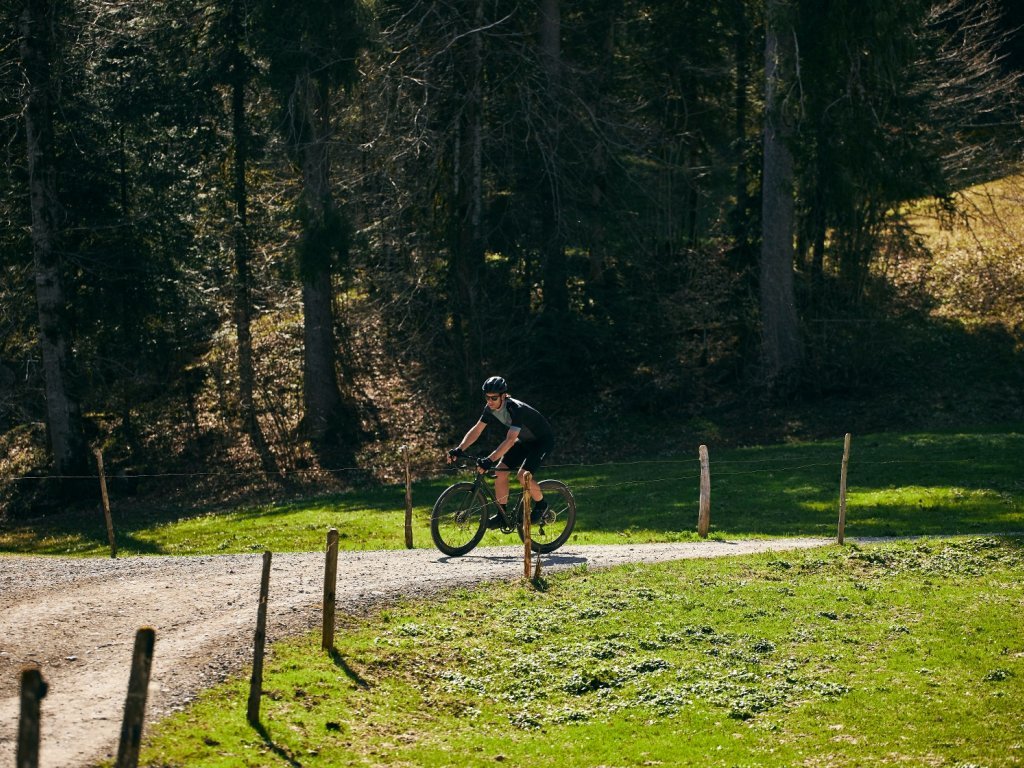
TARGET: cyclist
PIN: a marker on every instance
(528, 439)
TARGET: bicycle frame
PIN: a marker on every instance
(507, 512)
(462, 514)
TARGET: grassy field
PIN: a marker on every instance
(899, 484)
(899, 653)
(904, 654)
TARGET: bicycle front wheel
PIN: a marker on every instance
(458, 522)
(559, 518)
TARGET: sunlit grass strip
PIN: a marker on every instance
(899, 484)
(904, 654)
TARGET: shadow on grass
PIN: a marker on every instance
(540, 584)
(897, 485)
(351, 674)
(83, 532)
(280, 751)
(73, 537)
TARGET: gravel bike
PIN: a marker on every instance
(459, 519)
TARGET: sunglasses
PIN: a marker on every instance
(493, 398)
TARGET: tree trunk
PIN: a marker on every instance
(600, 161)
(327, 421)
(818, 224)
(556, 296)
(243, 288)
(321, 393)
(466, 243)
(741, 217)
(781, 347)
(63, 411)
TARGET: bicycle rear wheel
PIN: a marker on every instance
(559, 518)
(458, 520)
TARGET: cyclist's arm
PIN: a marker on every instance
(472, 436)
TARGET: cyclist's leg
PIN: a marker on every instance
(535, 453)
(513, 461)
(501, 483)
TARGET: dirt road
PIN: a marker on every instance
(76, 620)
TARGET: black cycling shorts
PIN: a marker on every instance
(528, 456)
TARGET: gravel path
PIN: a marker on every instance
(76, 620)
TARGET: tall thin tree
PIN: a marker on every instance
(556, 298)
(240, 68)
(780, 344)
(466, 226)
(63, 410)
(312, 50)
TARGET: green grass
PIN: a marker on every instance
(904, 654)
(899, 484)
(886, 654)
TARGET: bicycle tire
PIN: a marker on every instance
(458, 520)
(559, 520)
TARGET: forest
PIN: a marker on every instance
(259, 246)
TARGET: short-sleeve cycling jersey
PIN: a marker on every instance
(517, 415)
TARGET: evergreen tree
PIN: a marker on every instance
(63, 409)
(312, 49)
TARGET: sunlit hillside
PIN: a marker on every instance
(976, 269)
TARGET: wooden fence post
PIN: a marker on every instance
(33, 689)
(330, 588)
(259, 644)
(135, 702)
(704, 514)
(106, 502)
(841, 538)
(408, 499)
(528, 544)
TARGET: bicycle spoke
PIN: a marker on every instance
(559, 517)
(457, 520)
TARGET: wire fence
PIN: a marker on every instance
(808, 466)
(578, 466)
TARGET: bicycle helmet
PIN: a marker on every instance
(495, 386)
